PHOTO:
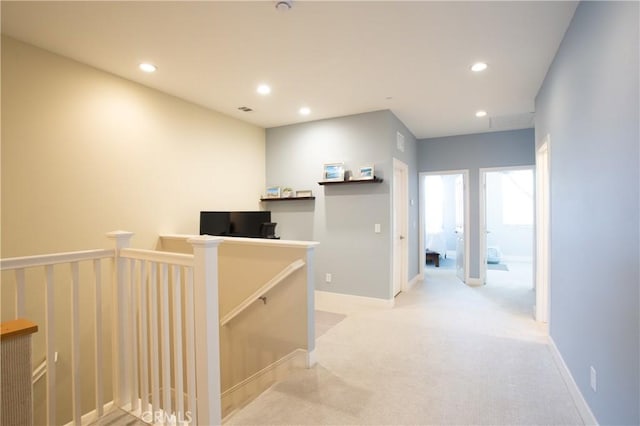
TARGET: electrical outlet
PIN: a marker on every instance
(593, 379)
(327, 277)
(376, 228)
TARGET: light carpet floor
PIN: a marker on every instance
(446, 354)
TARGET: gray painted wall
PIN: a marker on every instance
(589, 105)
(342, 218)
(473, 152)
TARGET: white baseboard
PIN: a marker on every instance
(414, 281)
(246, 391)
(474, 282)
(311, 359)
(347, 303)
(583, 408)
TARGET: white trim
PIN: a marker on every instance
(542, 241)
(245, 241)
(474, 282)
(581, 404)
(242, 393)
(312, 359)
(415, 280)
(347, 303)
(400, 201)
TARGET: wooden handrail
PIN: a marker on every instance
(17, 327)
(288, 270)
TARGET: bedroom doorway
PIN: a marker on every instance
(444, 218)
(507, 235)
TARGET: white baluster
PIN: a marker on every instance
(177, 343)
(133, 335)
(50, 345)
(166, 360)
(75, 343)
(98, 336)
(20, 293)
(144, 324)
(155, 349)
(191, 351)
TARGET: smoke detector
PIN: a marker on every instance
(283, 5)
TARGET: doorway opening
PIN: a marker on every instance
(507, 234)
(444, 218)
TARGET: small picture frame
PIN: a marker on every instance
(333, 172)
(304, 193)
(366, 172)
(272, 192)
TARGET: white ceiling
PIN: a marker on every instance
(338, 58)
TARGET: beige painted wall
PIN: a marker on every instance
(85, 152)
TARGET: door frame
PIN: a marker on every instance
(467, 217)
(482, 217)
(542, 277)
(400, 210)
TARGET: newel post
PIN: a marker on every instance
(120, 320)
(207, 328)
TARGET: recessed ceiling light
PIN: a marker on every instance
(304, 111)
(147, 67)
(263, 89)
(481, 113)
(479, 66)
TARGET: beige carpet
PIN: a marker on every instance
(446, 354)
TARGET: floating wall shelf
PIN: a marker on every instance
(346, 182)
(287, 199)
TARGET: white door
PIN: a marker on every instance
(460, 244)
(542, 231)
(400, 226)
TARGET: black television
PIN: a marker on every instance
(215, 223)
(249, 224)
(254, 224)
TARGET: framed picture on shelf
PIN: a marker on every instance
(333, 172)
(304, 193)
(366, 172)
(272, 192)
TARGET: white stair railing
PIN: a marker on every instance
(168, 323)
(148, 334)
(45, 264)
